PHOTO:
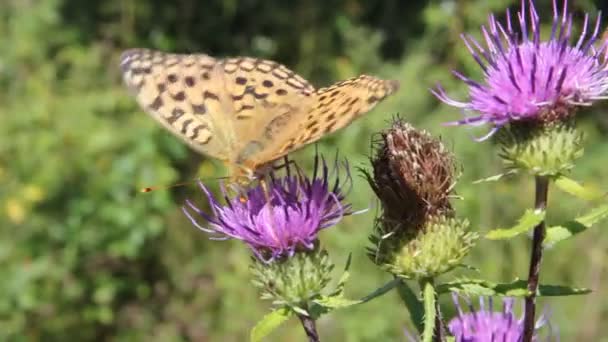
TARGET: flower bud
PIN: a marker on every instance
(295, 279)
(418, 235)
(543, 148)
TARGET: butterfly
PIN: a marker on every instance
(244, 111)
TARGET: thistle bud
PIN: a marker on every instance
(543, 148)
(417, 235)
(293, 280)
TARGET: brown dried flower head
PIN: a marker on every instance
(413, 175)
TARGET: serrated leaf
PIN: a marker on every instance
(325, 304)
(342, 281)
(471, 287)
(469, 267)
(576, 189)
(562, 232)
(413, 304)
(269, 323)
(516, 288)
(381, 290)
(529, 220)
(316, 310)
(300, 311)
(495, 178)
(560, 290)
(430, 312)
(335, 302)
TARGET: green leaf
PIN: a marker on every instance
(475, 287)
(342, 282)
(325, 304)
(413, 304)
(516, 288)
(560, 290)
(381, 290)
(568, 229)
(269, 323)
(450, 339)
(495, 178)
(469, 267)
(335, 302)
(574, 188)
(428, 295)
(301, 311)
(529, 220)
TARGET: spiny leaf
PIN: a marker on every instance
(469, 268)
(324, 304)
(269, 323)
(568, 229)
(517, 288)
(381, 290)
(495, 178)
(412, 303)
(525, 223)
(429, 312)
(300, 311)
(335, 302)
(574, 188)
(342, 282)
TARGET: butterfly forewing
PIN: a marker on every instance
(185, 93)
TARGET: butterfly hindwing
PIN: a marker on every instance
(328, 110)
(264, 95)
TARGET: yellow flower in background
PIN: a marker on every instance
(15, 210)
(33, 193)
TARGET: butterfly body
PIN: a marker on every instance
(244, 111)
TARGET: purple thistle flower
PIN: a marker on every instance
(278, 216)
(526, 78)
(486, 324)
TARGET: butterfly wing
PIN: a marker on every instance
(263, 93)
(245, 111)
(323, 112)
(186, 94)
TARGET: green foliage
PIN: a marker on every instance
(516, 288)
(574, 188)
(413, 304)
(269, 323)
(568, 229)
(526, 222)
(84, 256)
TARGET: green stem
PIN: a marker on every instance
(434, 330)
(540, 203)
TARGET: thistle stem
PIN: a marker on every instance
(431, 303)
(310, 327)
(439, 324)
(540, 203)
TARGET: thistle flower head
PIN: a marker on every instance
(526, 78)
(417, 236)
(485, 324)
(413, 175)
(279, 215)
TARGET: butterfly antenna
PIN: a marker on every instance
(166, 187)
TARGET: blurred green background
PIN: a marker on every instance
(84, 256)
